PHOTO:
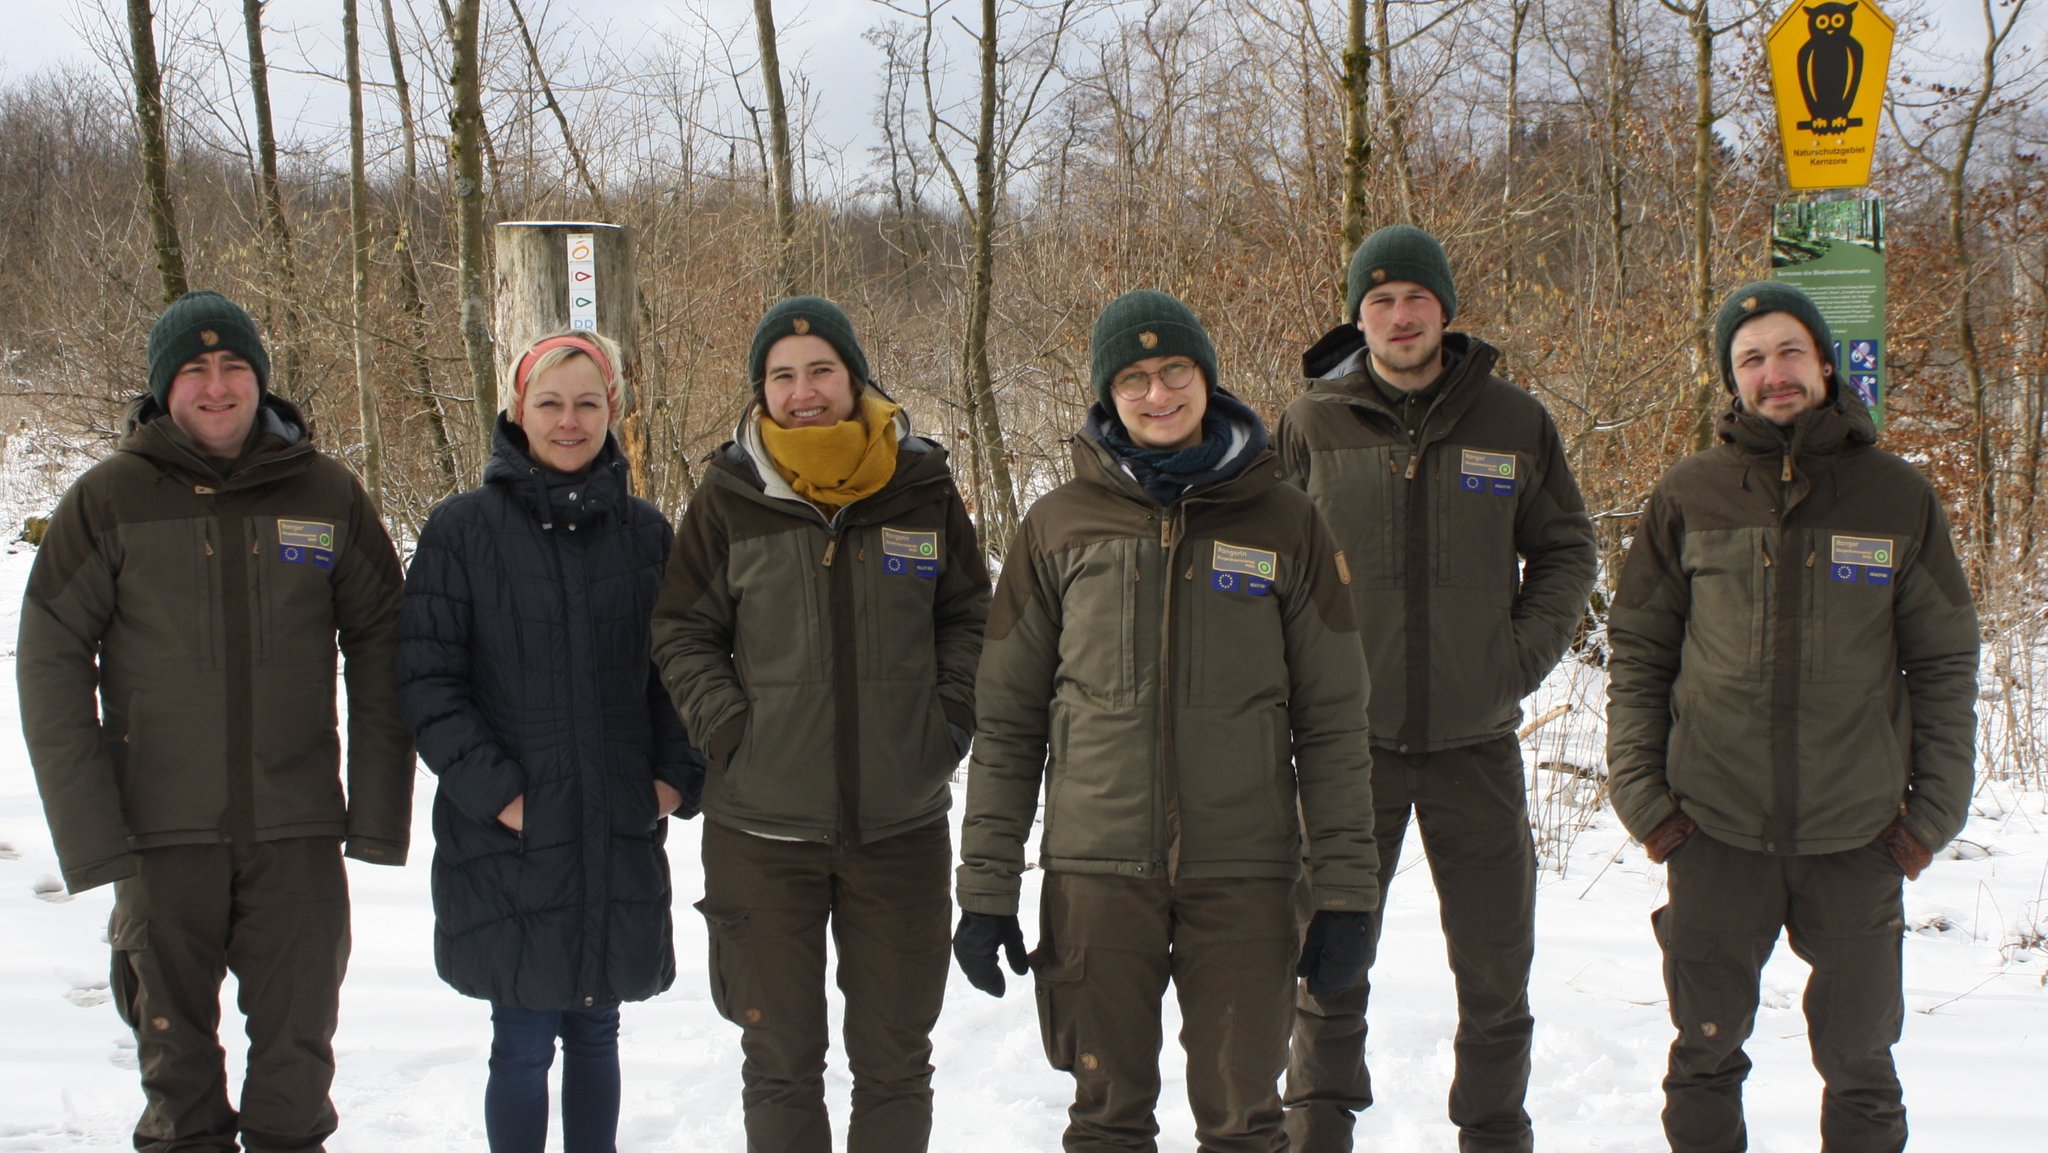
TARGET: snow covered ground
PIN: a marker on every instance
(412, 1052)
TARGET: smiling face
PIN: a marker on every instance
(1779, 373)
(212, 399)
(805, 384)
(1403, 323)
(565, 414)
(1161, 416)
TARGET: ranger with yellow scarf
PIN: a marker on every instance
(818, 629)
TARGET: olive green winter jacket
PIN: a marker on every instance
(176, 661)
(824, 665)
(1795, 650)
(1469, 544)
(1185, 683)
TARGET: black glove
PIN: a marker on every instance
(1333, 953)
(974, 947)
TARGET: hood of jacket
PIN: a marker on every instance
(282, 443)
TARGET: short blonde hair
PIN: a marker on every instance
(548, 351)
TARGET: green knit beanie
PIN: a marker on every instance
(1141, 324)
(198, 323)
(806, 316)
(1765, 296)
(1400, 252)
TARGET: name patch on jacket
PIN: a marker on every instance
(908, 553)
(1236, 569)
(1490, 472)
(1867, 559)
(305, 542)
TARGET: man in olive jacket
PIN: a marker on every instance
(1792, 722)
(176, 670)
(1448, 489)
(1172, 657)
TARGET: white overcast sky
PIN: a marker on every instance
(822, 38)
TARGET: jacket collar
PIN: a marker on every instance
(1335, 370)
(554, 497)
(280, 444)
(1815, 434)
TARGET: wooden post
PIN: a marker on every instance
(555, 275)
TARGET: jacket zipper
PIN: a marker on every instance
(1169, 523)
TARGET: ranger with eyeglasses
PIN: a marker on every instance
(1171, 657)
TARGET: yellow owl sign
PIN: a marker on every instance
(1828, 67)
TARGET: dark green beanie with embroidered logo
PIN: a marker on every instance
(195, 324)
(806, 316)
(1400, 252)
(1143, 324)
(1760, 298)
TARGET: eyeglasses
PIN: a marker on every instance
(1134, 385)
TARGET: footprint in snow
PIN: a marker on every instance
(48, 888)
(88, 996)
(9, 852)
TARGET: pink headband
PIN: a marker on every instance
(588, 348)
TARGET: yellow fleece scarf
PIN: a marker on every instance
(836, 465)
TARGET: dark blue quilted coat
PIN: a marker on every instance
(523, 668)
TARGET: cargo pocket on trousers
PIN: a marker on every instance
(126, 934)
(727, 927)
(1056, 978)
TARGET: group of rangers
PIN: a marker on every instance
(1221, 673)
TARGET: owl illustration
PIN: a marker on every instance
(1830, 69)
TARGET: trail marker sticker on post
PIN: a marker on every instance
(582, 281)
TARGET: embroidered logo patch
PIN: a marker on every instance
(305, 542)
(800, 326)
(1865, 559)
(906, 552)
(1490, 472)
(1148, 340)
(209, 337)
(1236, 569)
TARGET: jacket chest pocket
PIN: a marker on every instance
(1358, 493)
(781, 633)
(1104, 590)
(1234, 636)
(1474, 495)
(897, 569)
(1729, 573)
(1850, 590)
(291, 568)
(170, 576)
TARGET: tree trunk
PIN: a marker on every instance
(288, 339)
(1357, 139)
(1395, 116)
(1613, 169)
(1706, 372)
(156, 150)
(998, 521)
(780, 180)
(1510, 186)
(359, 263)
(466, 122)
(412, 299)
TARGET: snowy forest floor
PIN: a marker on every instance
(412, 1053)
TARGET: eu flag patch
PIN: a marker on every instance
(911, 553)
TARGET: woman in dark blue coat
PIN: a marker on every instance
(523, 670)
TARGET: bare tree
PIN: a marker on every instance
(1960, 115)
(779, 173)
(412, 296)
(277, 225)
(465, 148)
(156, 150)
(359, 264)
